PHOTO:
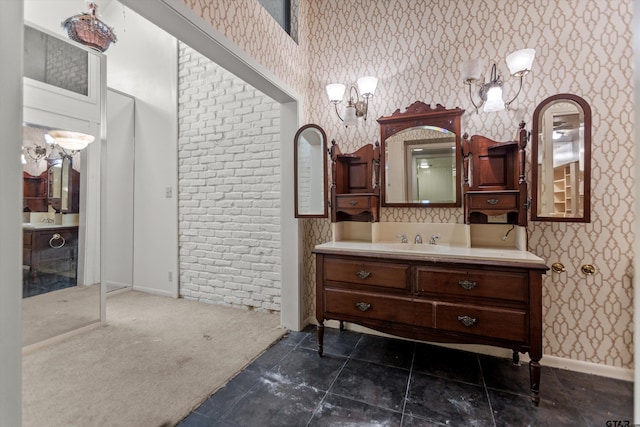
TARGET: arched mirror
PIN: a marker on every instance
(561, 152)
(420, 152)
(310, 170)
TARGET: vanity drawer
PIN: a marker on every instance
(348, 201)
(369, 306)
(509, 286)
(497, 323)
(379, 274)
(492, 201)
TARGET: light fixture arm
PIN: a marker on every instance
(508, 103)
(471, 98)
(335, 104)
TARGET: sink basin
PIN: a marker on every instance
(412, 247)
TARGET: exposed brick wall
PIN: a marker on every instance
(229, 187)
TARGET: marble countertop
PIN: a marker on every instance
(44, 226)
(438, 252)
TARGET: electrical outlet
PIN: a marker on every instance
(497, 219)
(168, 192)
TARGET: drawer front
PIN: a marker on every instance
(54, 245)
(379, 274)
(369, 306)
(498, 323)
(346, 201)
(27, 238)
(493, 201)
(508, 286)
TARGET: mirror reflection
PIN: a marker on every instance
(421, 157)
(310, 169)
(50, 230)
(423, 165)
(561, 146)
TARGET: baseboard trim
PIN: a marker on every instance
(169, 294)
(547, 360)
(28, 349)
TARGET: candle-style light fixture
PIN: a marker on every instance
(519, 63)
(356, 107)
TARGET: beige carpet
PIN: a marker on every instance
(157, 359)
(48, 315)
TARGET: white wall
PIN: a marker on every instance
(10, 226)
(229, 182)
(117, 270)
(143, 63)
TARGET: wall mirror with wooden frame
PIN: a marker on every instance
(561, 153)
(310, 172)
(420, 155)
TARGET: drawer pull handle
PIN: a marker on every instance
(467, 320)
(363, 306)
(493, 201)
(55, 237)
(353, 202)
(363, 274)
(467, 284)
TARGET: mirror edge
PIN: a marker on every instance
(418, 114)
(325, 196)
(586, 218)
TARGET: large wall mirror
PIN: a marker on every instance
(310, 171)
(561, 151)
(420, 152)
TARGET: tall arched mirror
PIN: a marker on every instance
(310, 170)
(420, 152)
(561, 152)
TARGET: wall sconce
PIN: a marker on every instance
(356, 107)
(519, 63)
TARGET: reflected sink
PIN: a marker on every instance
(41, 225)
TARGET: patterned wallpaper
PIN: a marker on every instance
(415, 47)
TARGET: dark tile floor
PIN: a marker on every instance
(43, 282)
(365, 380)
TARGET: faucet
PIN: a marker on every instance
(403, 238)
(47, 220)
(418, 239)
(432, 240)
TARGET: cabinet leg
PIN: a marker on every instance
(320, 338)
(341, 326)
(516, 358)
(534, 378)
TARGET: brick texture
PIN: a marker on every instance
(229, 187)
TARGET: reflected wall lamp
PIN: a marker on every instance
(355, 107)
(519, 63)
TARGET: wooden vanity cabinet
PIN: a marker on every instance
(497, 185)
(49, 245)
(497, 303)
